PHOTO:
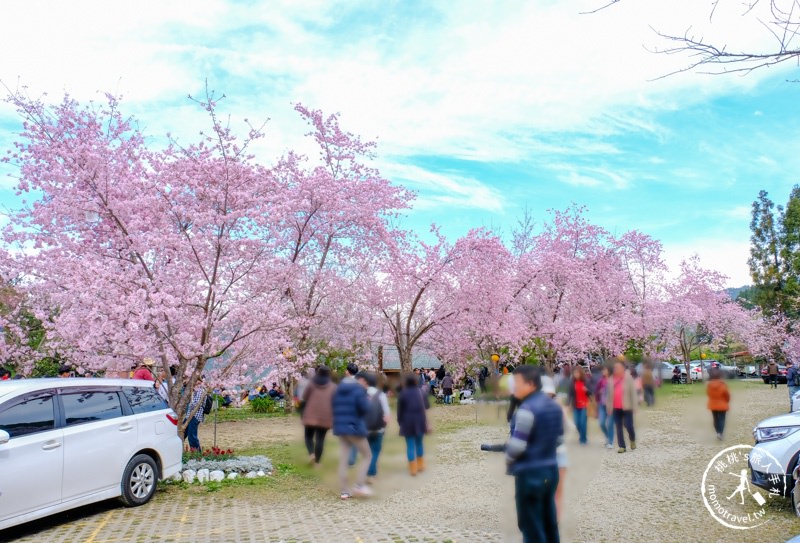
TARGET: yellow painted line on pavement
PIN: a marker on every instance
(99, 527)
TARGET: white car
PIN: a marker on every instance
(65, 443)
(778, 440)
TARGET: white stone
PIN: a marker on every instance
(251, 475)
(216, 475)
(178, 477)
(233, 475)
(202, 475)
(189, 475)
(260, 473)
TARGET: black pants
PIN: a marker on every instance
(773, 380)
(719, 421)
(649, 394)
(536, 505)
(315, 441)
(625, 418)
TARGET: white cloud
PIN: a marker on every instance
(726, 256)
(445, 190)
(475, 80)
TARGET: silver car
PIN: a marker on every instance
(65, 443)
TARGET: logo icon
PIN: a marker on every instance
(729, 495)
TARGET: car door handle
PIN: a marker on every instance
(126, 428)
(50, 445)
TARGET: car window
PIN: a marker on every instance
(144, 400)
(28, 417)
(83, 407)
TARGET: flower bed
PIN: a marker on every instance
(218, 464)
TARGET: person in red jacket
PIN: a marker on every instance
(718, 400)
(145, 370)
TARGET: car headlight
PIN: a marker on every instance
(777, 432)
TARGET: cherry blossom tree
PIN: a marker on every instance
(698, 312)
(571, 288)
(135, 252)
(338, 219)
(420, 287)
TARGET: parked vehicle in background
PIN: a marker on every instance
(661, 369)
(781, 374)
(696, 370)
(65, 443)
(751, 370)
(728, 371)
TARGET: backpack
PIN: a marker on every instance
(375, 422)
(208, 405)
(795, 377)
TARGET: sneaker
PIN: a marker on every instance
(609, 446)
(362, 491)
(719, 436)
(633, 445)
(345, 496)
(621, 450)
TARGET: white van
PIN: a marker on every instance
(65, 443)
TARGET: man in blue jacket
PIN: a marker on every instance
(537, 428)
(350, 407)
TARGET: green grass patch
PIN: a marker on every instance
(234, 414)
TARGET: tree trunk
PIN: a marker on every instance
(406, 360)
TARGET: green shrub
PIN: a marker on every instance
(262, 405)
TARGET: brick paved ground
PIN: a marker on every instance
(456, 500)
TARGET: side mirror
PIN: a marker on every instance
(4, 437)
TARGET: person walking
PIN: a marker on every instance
(718, 400)
(578, 400)
(648, 385)
(196, 414)
(317, 416)
(377, 419)
(621, 401)
(792, 381)
(413, 421)
(549, 388)
(300, 390)
(537, 429)
(772, 371)
(447, 387)
(350, 408)
(604, 416)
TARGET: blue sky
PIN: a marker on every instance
(484, 108)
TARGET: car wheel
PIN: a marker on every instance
(139, 480)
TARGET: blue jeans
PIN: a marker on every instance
(606, 423)
(375, 445)
(792, 390)
(579, 416)
(536, 505)
(191, 434)
(414, 448)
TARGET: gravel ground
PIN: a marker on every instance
(651, 494)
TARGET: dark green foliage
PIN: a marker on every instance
(774, 259)
(263, 405)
